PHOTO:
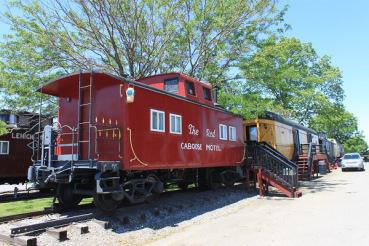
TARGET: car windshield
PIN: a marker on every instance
(351, 157)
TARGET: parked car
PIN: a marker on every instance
(352, 161)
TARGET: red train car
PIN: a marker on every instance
(121, 139)
(15, 149)
(15, 156)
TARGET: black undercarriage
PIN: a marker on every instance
(109, 185)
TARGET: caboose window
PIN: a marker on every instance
(171, 85)
(4, 147)
(232, 133)
(157, 120)
(222, 132)
(190, 88)
(175, 122)
(207, 94)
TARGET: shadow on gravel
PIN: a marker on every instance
(170, 209)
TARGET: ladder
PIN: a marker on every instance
(84, 105)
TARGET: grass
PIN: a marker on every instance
(27, 206)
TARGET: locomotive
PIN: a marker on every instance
(119, 139)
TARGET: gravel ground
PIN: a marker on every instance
(330, 212)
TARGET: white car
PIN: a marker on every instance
(352, 161)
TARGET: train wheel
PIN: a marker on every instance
(105, 202)
(67, 199)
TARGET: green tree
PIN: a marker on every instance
(3, 129)
(356, 143)
(138, 38)
(293, 76)
(336, 122)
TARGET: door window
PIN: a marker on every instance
(252, 133)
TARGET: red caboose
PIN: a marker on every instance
(122, 139)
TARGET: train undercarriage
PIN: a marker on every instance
(109, 186)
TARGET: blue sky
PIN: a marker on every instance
(339, 29)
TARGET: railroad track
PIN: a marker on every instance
(82, 219)
(46, 211)
(21, 195)
(26, 235)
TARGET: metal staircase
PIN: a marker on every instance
(305, 161)
(272, 168)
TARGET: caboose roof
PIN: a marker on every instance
(63, 86)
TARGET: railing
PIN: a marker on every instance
(67, 137)
(262, 155)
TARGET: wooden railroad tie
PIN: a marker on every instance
(21, 240)
(104, 224)
(59, 234)
(82, 228)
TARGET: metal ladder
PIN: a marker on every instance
(82, 105)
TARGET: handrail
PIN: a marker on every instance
(279, 154)
(264, 156)
(72, 134)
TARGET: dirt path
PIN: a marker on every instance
(332, 211)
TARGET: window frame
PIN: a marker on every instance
(194, 89)
(221, 127)
(169, 79)
(170, 123)
(209, 93)
(234, 138)
(151, 120)
(1, 147)
(248, 133)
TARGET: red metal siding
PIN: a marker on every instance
(165, 150)
(148, 149)
(16, 163)
(157, 81)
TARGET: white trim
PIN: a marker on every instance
(67, 145)
(67, 157)
(221, 127)
(1, 143)
(170, 123)
(232, 135)
(151, 120)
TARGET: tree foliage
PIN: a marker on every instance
(293, 76)
(336, 122)
(202, 38)
(356, 143)
(3, 129)
(212, 40)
